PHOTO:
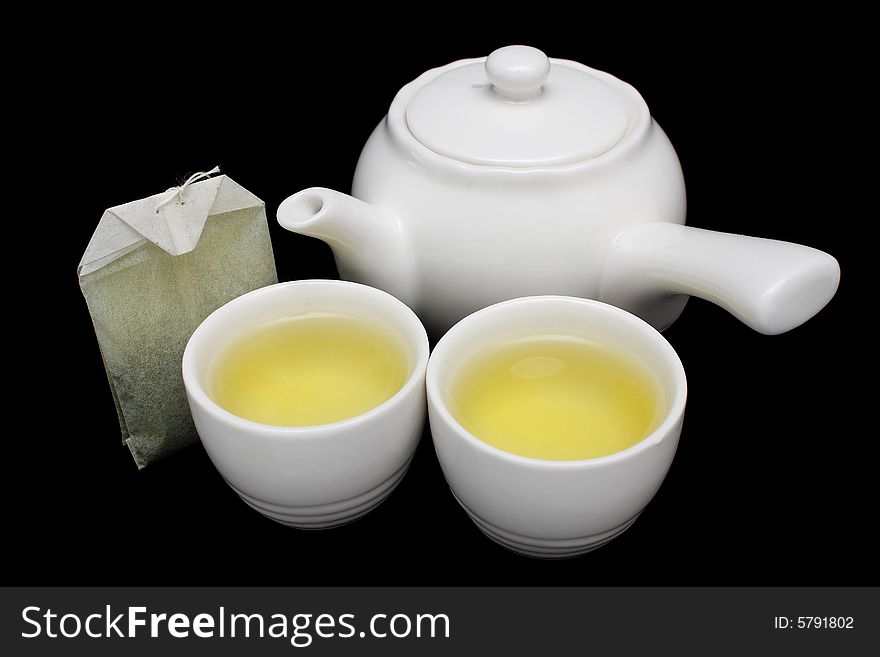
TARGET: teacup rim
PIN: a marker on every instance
(673, 416)
(200, 395)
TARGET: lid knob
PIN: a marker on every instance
(517, 72)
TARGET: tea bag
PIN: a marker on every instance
(153, 270)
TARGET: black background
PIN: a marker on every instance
(771, 114)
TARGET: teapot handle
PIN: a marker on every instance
(770, 285)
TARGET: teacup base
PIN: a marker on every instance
(327, 516)
(545, 548)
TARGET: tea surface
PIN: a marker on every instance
(557, 397)
(310, 369)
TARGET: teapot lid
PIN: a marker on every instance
(516, 108)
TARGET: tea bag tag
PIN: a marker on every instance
(174, 219)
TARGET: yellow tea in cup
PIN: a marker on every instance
(558, 397)
(310, 369)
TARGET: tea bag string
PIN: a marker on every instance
(177, 192)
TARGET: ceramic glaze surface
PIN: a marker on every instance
(316, 476)
(545, 508)
(495, 237)
(517, 175)
(460, 115)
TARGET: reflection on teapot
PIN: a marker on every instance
(517, 175)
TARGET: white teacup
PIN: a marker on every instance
(545, 508)
(317, 476)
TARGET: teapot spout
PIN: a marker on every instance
(367, 241)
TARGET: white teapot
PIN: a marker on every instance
(516, 175)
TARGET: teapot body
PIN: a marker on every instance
(478, 236)
(511, 190)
